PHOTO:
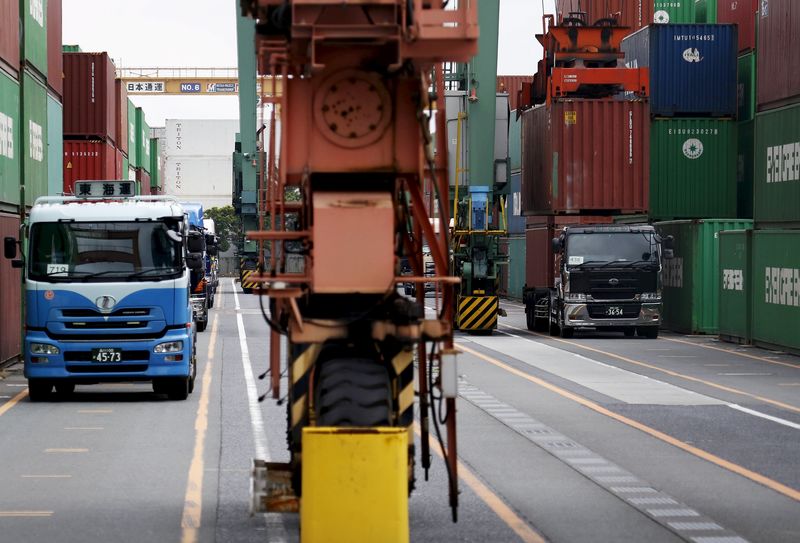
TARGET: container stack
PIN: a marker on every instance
(513, 280)
(761, 269)
(30, 131)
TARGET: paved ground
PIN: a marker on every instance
(598, 438)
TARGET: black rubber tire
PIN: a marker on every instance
(65, 389)
(210, 302)
(650, 332)
(178, 389)
(552, 328)
(629, 332)
(353, 392)
(530, 320)
(202, 325)
(39, 391)
(160, 386)
(567, 332)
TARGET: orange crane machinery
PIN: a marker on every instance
(345, 202)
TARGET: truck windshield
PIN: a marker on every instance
(105, 251)
(604, 248)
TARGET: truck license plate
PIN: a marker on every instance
(614, 311)
(107, 355)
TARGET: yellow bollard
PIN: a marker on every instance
(355, 485)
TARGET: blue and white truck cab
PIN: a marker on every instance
(202, 285)
(107, 293)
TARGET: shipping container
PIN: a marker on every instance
(34, 35)
(634, 14)
(89, 103)
(692, 68)
(121, 113)
(776, 289)
(133, 154)
(123, 173)
(10, 298)
(119, 164)
(10, 146)
(693, 168)
(71, 49)
(691, 279)
(155, 162)
(143, 182)
(778, 58)
(515, 142)
(142, 140)
(55, 62)
(512, 84)
(516, 267)
(516, 221)
(735, 285)
(585, 156)
(34, 137)
(9, 36)
(55, 146)
(201, 138)
(88, 160)
(777, 167)
(743, 14)
(204, 180)
(131, 173)
(705, 11)
(745, 169)
(746, 87)
(674, 11)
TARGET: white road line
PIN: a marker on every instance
(256, 420)
(779, 420)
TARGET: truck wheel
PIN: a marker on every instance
(552, 328)
(650, 332)
(39, 391)
(201, 325)
(530, 320)
(629, 332)
(65, 389)
(567, 332)
(353, 392)
(210, 302)
(178, 389)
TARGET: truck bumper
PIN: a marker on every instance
(579, 316)
(199, 308)
(139, 361)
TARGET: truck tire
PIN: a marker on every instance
(567, 332)
(530, 319)
(552, 328)
(210, 302)
(178, 389)
(65, 389)
(353, 392)
(650, 332)
(39, 391)
(201, 325)
(629, 332)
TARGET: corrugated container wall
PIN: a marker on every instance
(777, 167)
(10, 298)
(634, 14)
(155, 163)
(87, 160)
(196, 179)
(119, 165)
(123, 173)
(693, 168)
(55, 146)
(10, 147)
(143, 182)
(691, 279)
(89, 104)
(746, 87)
(512, 84)
(778, 57)
(34, 35)
(201, 138)
(776, 289)
(133, 154)
(674, 11)
(142, 140)
(34, 137)
(516, 221)
(735, 285)
(743, 14)
(745, 169)
(9, 36)
(585, 156)
(121, 113)
(705, 11)
(692, 67)
(55, 62)
(516, 267)
(71, 49)
(515, 143)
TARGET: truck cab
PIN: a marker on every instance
(107, 294)
(201, 283)
(607, 278)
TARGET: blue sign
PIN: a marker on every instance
(190, 87)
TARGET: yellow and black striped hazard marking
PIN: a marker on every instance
(246, 283)
(403, 390)
(477, 312)
(303, 359)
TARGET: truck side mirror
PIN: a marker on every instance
(669, 247)
(196, 242)
(194, 261)
(10, 248)
(556, 245)
(212, 250)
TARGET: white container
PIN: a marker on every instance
(207, 180)
(200, 138)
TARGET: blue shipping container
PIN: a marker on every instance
(516, 222)
(692, 67)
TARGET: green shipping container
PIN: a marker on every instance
(125, 165)
(674, 11)
(10, 148)
(71, 49)
(142, 141)
(692, 168)
(34, 34)
(516, 266)
(776, 289)
(34, 138)
(777, 167)
(155, 163)
(746, 87)
(515, 143)
(55, 146)
(745, 170)
(133, 154)
(705, 11)
(735, 285)
(691, 279)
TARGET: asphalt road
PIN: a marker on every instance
(598, 438)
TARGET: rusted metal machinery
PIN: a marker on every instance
(345, 202)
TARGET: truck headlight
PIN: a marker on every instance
(575, 297)
(650, 296)
(44, 348)
(169, 347)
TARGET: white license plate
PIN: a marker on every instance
(613, 311)
(107, 355)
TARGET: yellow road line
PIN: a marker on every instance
(737, 353)
(68, 451)
(725, 464)
(46, 476)
(7, 514)
(495, 503)
(12, 402)
(193, 500)
(789, 384)
(711, 384)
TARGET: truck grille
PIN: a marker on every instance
(599, 311)
(86, 356)
(89, 313)
(103, 325)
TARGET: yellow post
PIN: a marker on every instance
(355, 485)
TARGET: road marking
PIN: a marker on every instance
(66, 451)
(768, 360)
(193, 500)
(789, 384)
(730, 466)
(776, 403)
(8, 514)
(495, 503)
(675, 356)
(256, 420)
(4, 397)
(716, 365)
(12, 402)
(17, 385)
(84, 428)
(46, 476)
(85, 411)
(764, 416)
(746, 374)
